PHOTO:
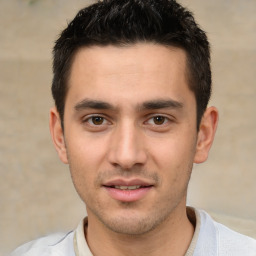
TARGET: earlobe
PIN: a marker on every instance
(58, 135)
(206, 134)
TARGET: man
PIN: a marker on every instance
(131, 85)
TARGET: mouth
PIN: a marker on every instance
(128, 187)
(128, 191)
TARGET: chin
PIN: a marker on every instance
(130, 226)
(133, 224)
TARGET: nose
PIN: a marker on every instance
(126, 148)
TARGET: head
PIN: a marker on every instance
(127, 22)
(131, 85)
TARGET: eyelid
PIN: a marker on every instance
(88, 117)
(167, 118)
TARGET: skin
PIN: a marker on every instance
(129, 114)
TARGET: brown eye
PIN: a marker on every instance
(97, 120)
(158, 120)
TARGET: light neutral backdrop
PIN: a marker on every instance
(36, 193)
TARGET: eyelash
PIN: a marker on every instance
(165, 120)
(87, 120)
(104, 121)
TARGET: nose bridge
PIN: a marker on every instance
(127, 149)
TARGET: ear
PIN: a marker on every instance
(206, 134)
(58, 135)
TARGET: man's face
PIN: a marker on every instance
(130, 134)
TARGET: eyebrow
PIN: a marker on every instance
(148, 105)
(161, 103)
(95, 104)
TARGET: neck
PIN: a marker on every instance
(172, 237)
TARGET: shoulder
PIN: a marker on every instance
(231, 241)
(55, 244)
(225, 240)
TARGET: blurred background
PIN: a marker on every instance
(36, 192)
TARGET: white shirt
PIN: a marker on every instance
(210, 239)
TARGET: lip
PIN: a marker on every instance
(128, 195)
(131, 182)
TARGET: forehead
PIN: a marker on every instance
(145, 57)
(144, 69)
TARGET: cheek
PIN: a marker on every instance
(83, 172)
(85, 160)
(173, 157)
(172, 151)
(86, 151)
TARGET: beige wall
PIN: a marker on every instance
(36, 192)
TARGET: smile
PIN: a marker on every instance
(128, 191)
(127, 187)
